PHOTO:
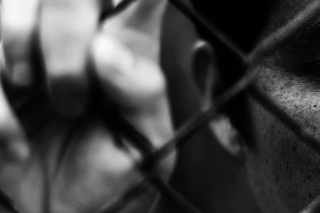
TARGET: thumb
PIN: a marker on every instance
(135, 84)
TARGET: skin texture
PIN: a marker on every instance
(283, 170)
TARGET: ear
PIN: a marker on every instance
(204, 71)
(206, 74)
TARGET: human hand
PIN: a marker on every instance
(87, 172)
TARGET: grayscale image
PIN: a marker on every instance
(159, 106)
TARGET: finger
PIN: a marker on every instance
(131, 79)
(12, 139)
(126, 59)
(18, 26)
(66, 28)
(135, 84)
(138, 27)
(127, 52)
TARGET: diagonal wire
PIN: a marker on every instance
(267, 45)
(135, 137)
(151, 160)
(306, 134)
(150, 175)
(123, 5)
(199, 19)
(208, 113)
(199, 119)
(275, 39)
(145, 146)
(174, 196)
(140, 142)
(120, 201)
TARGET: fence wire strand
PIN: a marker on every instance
(200, 20)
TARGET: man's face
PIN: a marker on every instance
(283, 170)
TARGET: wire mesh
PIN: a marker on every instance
(153, 157)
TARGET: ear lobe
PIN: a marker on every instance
(204, 71)
(206, 75)
(227, 136)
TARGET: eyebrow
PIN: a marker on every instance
(304, 40)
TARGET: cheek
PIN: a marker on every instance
(284, 171)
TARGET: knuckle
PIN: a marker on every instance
(110, 58)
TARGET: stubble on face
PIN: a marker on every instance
(284, 171)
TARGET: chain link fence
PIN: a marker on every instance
(153, 157)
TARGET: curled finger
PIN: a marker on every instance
(66, 29)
